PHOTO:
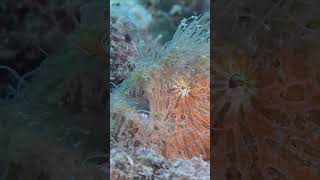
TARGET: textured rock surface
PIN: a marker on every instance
(147, 163)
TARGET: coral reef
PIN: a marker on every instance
(129, 22)
(148, 164)
(162, 107)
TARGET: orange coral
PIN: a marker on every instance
(180, 104)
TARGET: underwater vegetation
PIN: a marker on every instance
(160, 111)
(129, 22)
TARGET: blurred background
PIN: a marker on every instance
(266, 89)
(53, 90)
